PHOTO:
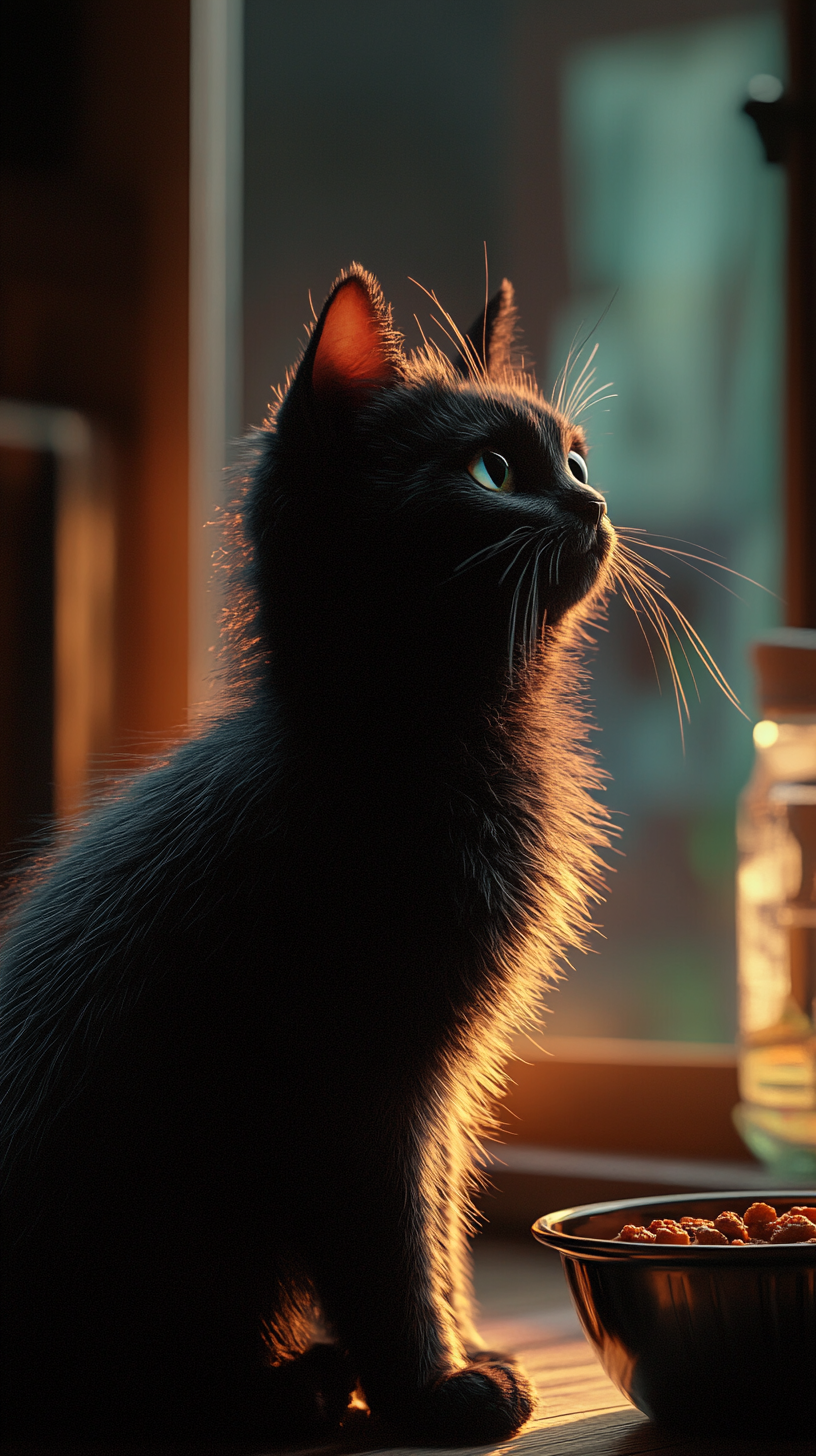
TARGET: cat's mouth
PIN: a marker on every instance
(582, 564)
(603, 540)
(595, 540)
(553, 579)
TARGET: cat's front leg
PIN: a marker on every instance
(455, 1186)
(456, 1191)
(383, 1279)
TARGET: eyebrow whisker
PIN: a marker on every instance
(578, 382)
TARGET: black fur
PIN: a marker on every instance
(257, 1008)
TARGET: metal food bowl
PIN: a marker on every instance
(706, 1338)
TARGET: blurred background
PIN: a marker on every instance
(176, 178)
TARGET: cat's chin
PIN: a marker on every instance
(583, 579)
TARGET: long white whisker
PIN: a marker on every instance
(660, 536)
(648, 566)
(592, 400)
(422, 331)
(583, 399)
(579, 387)
(699, 571)
(694, 637)
(553, 557)
(460, 341)
(487, 551)
(647, 582)
(621, 580)
(690, 556)
(595, 396)
(573, 356)
(561, 379)
(670, 627)
(657, 620)
(558, 557)
(531, 614)
(513, 617)
(579, 380)
(486, 302)
(509, 568)
(459, 347)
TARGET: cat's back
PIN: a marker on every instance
(124, 915)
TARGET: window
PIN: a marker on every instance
(675, 222)
(599, 150)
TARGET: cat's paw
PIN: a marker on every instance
(305, 1399)
(325, 1377)
(488, 1401)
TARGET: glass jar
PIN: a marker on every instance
(776, 911)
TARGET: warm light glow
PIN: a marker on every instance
(765, 733)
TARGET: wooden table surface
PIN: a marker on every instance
(525, 1307)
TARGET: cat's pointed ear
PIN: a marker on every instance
(491, 336)
(353, 349)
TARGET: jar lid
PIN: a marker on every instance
(785, 662)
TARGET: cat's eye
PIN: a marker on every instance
(491, 470)
(578, 467)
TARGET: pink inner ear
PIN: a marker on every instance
(351, 351)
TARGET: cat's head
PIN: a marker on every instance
(403, 496)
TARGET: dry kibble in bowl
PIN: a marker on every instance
(710, 1236)
(758, 1225)
(737, 1329)
(635, 1233)
(793, 1229)
(730, 1224)
(761, 1221)
(759, 1213)
(668, 1231)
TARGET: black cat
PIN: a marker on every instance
(256, 1010)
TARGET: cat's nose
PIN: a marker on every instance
(589, 506)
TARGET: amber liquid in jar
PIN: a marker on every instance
(776, 942)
